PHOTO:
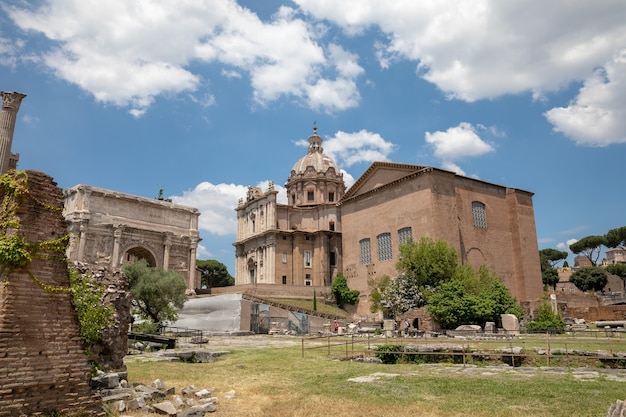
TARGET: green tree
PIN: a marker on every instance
(589, 279)
(343, 294)
(548, 258)
(427, 262)
(616, 237)
(550, 277)
(156, 292)
(401, 295)
(214, 274)
(546, 321)
(471, 297)
(552, 256)
(617, 269)
(590, 247)
(377, 287)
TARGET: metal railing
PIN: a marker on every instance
(605, 348)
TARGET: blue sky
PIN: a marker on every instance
(206, 97)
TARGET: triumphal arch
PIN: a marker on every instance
(110, 228)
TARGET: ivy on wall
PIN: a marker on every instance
(15, 251)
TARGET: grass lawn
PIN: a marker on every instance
(278, 381)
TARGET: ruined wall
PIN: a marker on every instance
(43, 368)
(109, 352)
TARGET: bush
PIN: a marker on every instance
(389, 353)
(343, 294)
(546, 321)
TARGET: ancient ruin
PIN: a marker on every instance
(43, 367)
(109, 228)
(10, 106)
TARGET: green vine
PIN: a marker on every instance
(15, 252)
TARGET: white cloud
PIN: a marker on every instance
(480, 49)
(128, 53)
(217, 203)
(597, 117)
(348, 149)
(564, 246)
(451, 166)
(457, 143)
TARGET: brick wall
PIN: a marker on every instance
(42, 364)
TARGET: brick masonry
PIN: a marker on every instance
(43, 368)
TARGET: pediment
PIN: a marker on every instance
(380, 174)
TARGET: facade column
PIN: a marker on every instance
(271, 263)
(191, 282)
(167, 243)
(10, 105)
(82, 239)
(117, 237)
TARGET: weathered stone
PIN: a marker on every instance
(118, 406)
(197, 411)
(230, 394)
(149, 392)
(178, 401)
(203, 393)
(168, 231)
(119, 396)
(105, 380)
(510, 323)
(138, 403)
(158, 384)
(189, 390)
(469, 327)
(165, 407)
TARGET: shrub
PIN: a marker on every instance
(389, 353)
(546, 321)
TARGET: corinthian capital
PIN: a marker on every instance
(12, 100)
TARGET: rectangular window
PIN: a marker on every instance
(284, 258)
(307, 280)
(307, 258)
(331, 197)
(366, 255)
(384, 246)
(284, 279)
(479, 214)
(310, 195)
(331, 226)
(404, 235)
(333, 258)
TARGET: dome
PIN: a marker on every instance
(315, 157)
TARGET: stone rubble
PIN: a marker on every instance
(119, 396)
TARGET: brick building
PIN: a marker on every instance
(324, 230)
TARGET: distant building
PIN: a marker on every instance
(111, 228)
(615, 256)
(581, 261)
(324, 230)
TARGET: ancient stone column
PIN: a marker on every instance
(167, 244)
(10, 105)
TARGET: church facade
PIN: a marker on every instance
(298, 243)
(325, 230)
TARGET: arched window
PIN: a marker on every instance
(479, 214)
(366, 255)
(404, 235)
(384, 246)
